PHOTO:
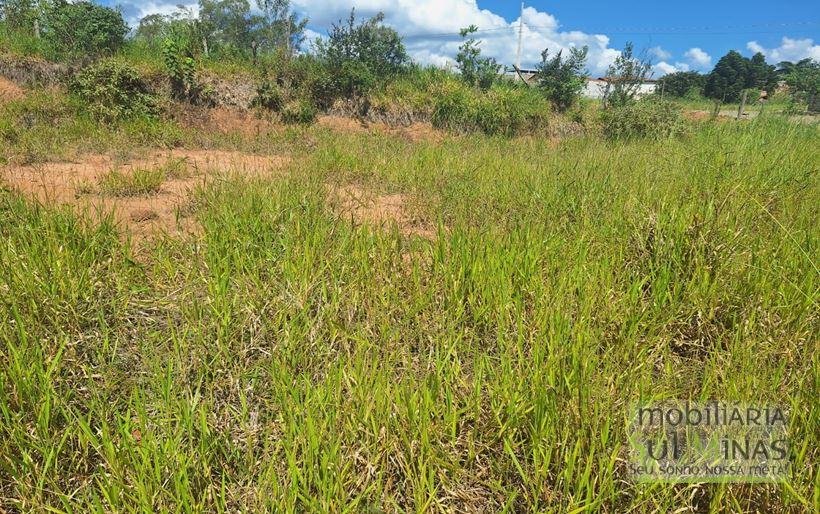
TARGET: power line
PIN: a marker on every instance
(694, 29)
(688, 31)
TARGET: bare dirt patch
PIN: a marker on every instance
(697, 115)
(10, 91)
(722, 117)
(77, 184)
(364, 207)
(226, 120)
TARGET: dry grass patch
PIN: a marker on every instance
(365, 207)
(10, 91)
(415, 132)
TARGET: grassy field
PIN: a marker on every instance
(478, 354)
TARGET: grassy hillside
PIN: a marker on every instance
(455, 323)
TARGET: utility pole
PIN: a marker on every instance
(520, 34)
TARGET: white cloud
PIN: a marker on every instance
(430, 28)
(310, 40)
(698, 58)
(789, 50)
(664, 68)
(659, 53)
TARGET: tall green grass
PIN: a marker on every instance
(290, 360)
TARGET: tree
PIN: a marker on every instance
(681, 83)
(281, 28)
(356, 57)
(84, 29)
(761, 75)
(624, 77)
(804, 82)
(728, 79)
(785, 67)
(152, 28)
(475, 70)
(19, 15)
(560, 79)
(226, 26)
(185, 29)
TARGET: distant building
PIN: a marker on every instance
(594, 87)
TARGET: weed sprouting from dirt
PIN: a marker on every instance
(139, 182)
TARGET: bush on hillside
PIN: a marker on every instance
(475, 70)
(269, 95)
(84, 29)
(288, 90)
(562, 78)
(357, 57)
(650, 118)
(113, 90)
(301, 111)
(504, 109)
(410, 96)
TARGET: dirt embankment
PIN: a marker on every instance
(31, 72)
(10, 91)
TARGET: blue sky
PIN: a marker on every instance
(717, 26)
(679, 36)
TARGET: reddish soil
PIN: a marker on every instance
(226, 120)
(364, 207)
(76, 184)
(10, 91)
(697, 115)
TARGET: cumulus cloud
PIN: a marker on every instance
(430, 29)
(664, 68)
(310, 39)
(698, 58)
(659, 53)
(789, 50)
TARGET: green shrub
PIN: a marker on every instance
(682, 84)
(299, 111)
(181, 67)
(19, 41)
(411, 95)
(476, 70)
(114, 90)
(650, 118)
(83, 29)
(504, 109)
(561, 79)
(269, 95)
(356, 57)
